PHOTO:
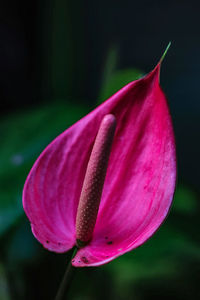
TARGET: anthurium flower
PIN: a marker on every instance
(134, 129)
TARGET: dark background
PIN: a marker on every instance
(54, 58)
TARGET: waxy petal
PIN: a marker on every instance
(139, 184)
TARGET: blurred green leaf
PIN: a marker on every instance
(61, 45)
(23, 248)
(110, 66)
(117, 80)
(185, 200)
(113, 79)
(3, 285)
(61, 48)
(23, 137)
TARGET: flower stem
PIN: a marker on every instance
(66, 281)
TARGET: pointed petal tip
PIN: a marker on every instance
(165, 52)
(156, 71)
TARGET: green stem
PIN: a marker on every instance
(66, 281)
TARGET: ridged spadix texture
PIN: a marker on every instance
(94, 181)
(139, 182)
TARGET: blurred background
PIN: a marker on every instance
(59, 59)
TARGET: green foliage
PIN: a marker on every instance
(114, 79)
(3, 285)
(61, 45)
(118, 80)
(185, 200)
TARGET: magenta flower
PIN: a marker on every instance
(138, 187)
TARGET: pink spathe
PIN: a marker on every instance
(139, 183)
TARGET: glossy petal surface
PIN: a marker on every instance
(139, 184)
